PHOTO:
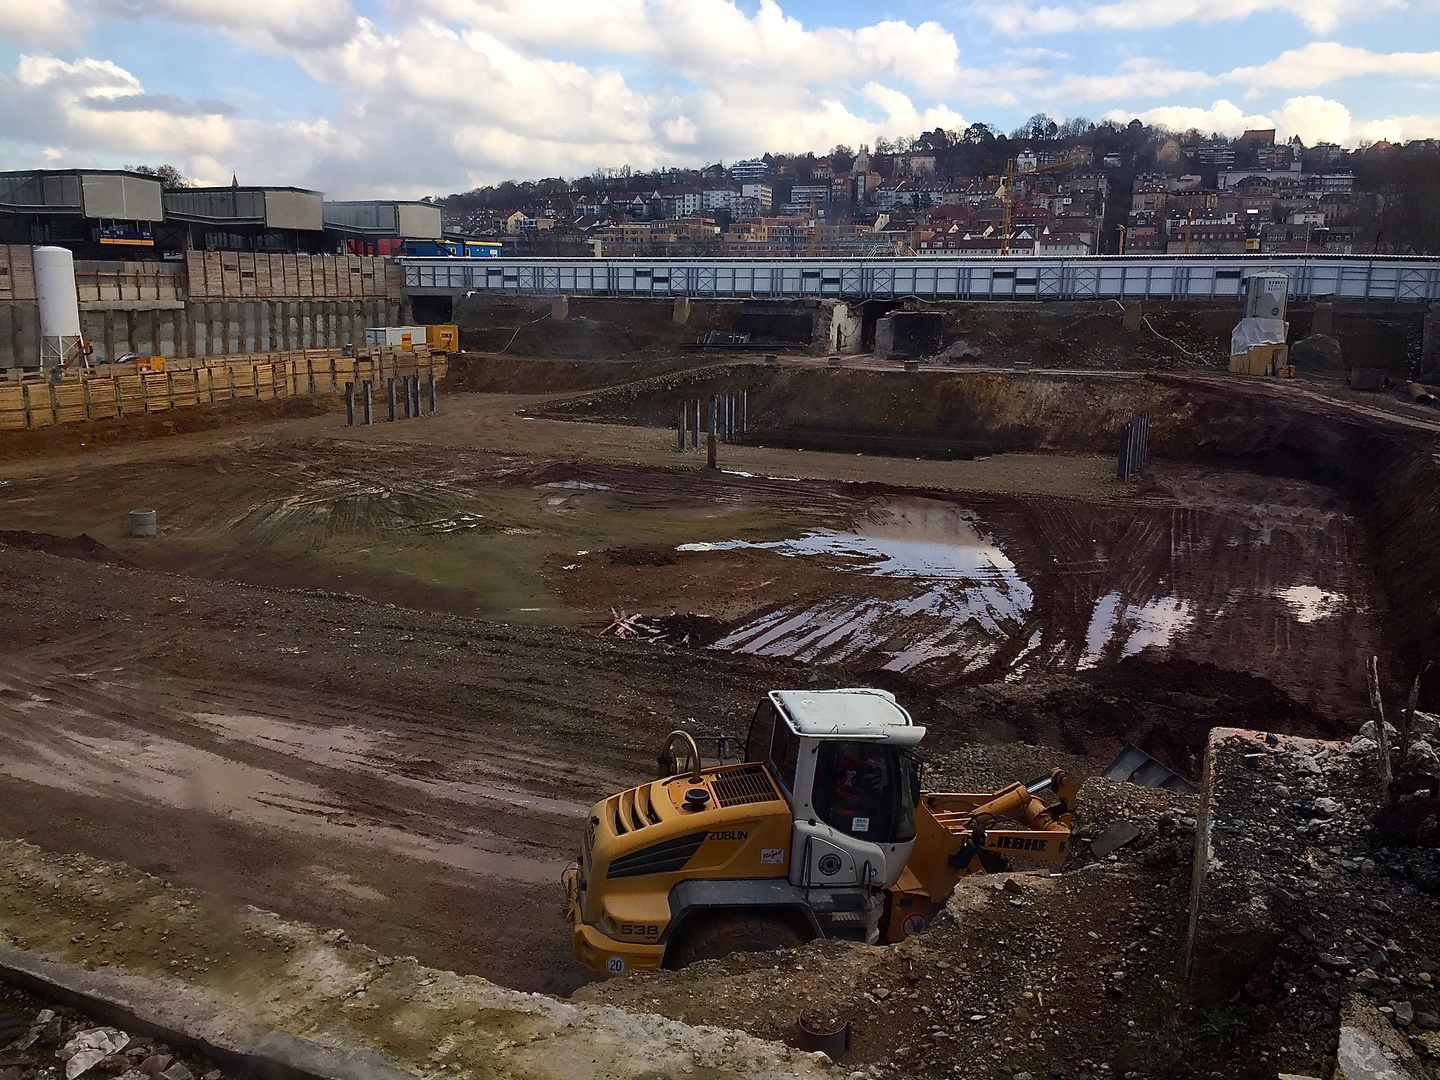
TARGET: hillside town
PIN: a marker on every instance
(1044, 190)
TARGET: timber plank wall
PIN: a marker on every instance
(81, 396)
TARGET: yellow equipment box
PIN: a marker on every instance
(1261, 360)
(443, 338)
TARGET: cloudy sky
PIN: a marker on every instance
(413, 97)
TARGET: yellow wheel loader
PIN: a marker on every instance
(824, 831)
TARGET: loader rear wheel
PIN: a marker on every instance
(720, 935)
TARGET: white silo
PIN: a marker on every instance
(60, 339)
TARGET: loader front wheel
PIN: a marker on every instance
(721, 934)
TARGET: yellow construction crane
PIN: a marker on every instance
(1006, 191)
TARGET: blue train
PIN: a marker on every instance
(454, 249)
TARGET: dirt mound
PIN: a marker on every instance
(98, 434)
(640, 556)
(1167, 708)
(490, 374)
(982, 410)
(70, 547)
(597, 328)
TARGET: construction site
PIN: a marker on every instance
(336, 667)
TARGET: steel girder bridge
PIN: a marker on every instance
(1395, 279)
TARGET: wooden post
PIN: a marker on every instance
(349, 404)
(25, 402)
(54, 402)
(144, 393)
(195, 378)
(85, 394)
(310, 374)
(231, 369)
(255, 378)
(333, 385)
(170, 389)
(210, 382)
(119, 408)
(1381, 736)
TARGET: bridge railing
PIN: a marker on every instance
(1395, 279)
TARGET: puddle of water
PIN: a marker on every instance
(1309, 604)
(970, 595)
(1130, 628)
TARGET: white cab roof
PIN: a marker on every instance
(853, 714)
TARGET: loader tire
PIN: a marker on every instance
(720, 935)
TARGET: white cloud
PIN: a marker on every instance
(1138, 78)
(1314, 119)
(706, 40)
(1323, 62)
(93, 106)
(271, 25)
(41, 22)
(1018, 19)
(1224, 117)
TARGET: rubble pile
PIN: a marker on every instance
(1300, 900)
(1068, 976)
(42, 1040)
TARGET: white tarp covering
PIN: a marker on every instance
(1251, 332)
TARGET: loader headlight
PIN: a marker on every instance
(607, 926)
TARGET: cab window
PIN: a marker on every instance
(785, 754)
(771, 741)
(762, 729)
(866, 790)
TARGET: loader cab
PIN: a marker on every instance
(846, 762)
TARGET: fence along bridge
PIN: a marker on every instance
(1396, 279)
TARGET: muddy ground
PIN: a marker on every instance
(358, 679)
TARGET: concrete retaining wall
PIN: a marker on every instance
(195, 310)
(193, 329)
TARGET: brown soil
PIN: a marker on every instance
(75, 547)
(477, 372)
(46, 442)
(355, 748)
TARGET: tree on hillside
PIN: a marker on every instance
(169, 176)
